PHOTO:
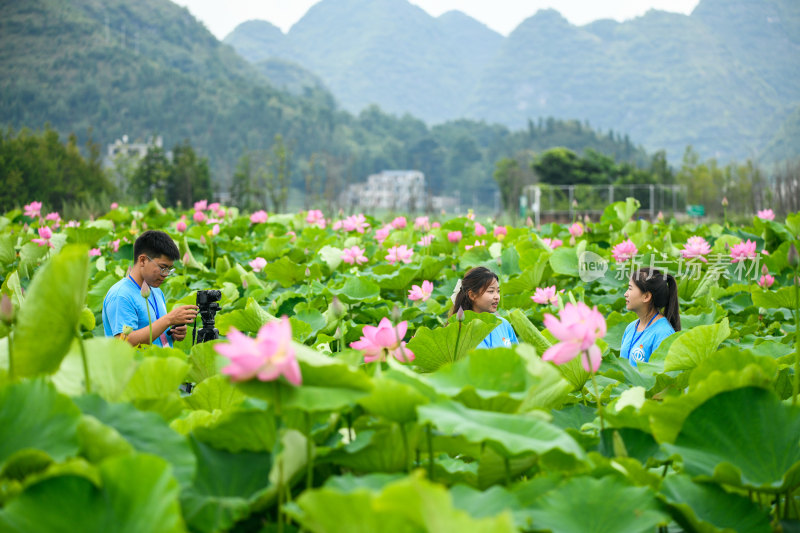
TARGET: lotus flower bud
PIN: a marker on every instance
(764, 270)
(337, 308)
(6, 309)
(724, 201)
(460, 314)
(145, 290)
(792, 257)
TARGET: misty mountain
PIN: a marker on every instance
(723, 79)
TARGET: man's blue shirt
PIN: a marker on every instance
(502, 335)
(647, 341)
(124, 306)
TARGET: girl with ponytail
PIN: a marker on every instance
(653, 296)
(479, 291)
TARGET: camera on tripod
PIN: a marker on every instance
(207, 308)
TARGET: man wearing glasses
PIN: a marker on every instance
(154, 253)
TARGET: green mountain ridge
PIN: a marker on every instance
(114, 68)
(722, 79)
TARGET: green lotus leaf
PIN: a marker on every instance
(491, 380)
(111, 366)
(693, 346)
(783, 297)
(225, 487)
(389, 277)
(725, 370)
(251, 430)
(707, 508)
(146, 432)
(745, 438)
(357, 289)
(156, 377)
(376, 450)
(205, 361)
(7, 252)
(393, 400)
(510, 435)
(634, 509)
(53, 304)
(408, 505)
(434, 348)
(215, 392)
(247, 320)
(99, 441)
(527, 332)
(34, 416)
(564, 261)
(137, 493)
(30, 255)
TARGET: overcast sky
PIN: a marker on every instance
(501, 15)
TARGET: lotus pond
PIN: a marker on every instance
(430, 435)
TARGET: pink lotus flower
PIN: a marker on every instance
(114, 205)
(72, 224)
(258, 264)
(316, 218)
(576, 230)
(436, 225)
(471, 215)
(546, 295)
(53, 216)
(114, 245)
(577, 329)
(422, 223)
(399, 254)
(696, 247)
(94, 252)
(421, 293)
(454, 236)
(766, 214)
(742, 251)
(199, 217)
(552, 243)
(766, 281)
(337, 225)
(267, 357)
(259, 217)
(383, 233)
(214, 207)
(399, 223)
(180, 226)
(500, 232)
(354, 255)
(377, 342)
(219, 212)
(355, 223)
(45, 234)
(477, 243)
(479, 229)
(33, 209)
(425, 240)
(215, 230)
(202, 205)
(624, 251)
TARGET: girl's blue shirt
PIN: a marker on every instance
(647, 341)
(502, 335)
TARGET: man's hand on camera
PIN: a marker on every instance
(182, 315)
(178, 332)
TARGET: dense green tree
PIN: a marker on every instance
(38, 166)
(151, 177)
(189, 179)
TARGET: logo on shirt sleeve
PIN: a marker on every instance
(506, 342)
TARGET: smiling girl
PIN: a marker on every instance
(479, 291)
(653, 296)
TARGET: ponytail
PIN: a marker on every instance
(664, 290)
(475, 281)
(672, 311)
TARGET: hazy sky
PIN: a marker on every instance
(501, 15)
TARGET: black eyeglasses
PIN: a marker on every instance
(165, 271)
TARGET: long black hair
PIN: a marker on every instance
(476, 281)
(664, 291)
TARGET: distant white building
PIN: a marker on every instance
(402, 190)
(134, 149)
